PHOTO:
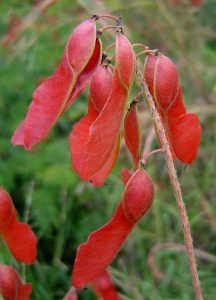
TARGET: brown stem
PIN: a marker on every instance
(149, 154)
(109, 17)
(174, 182)
(177, 247)
(140, 46)
(106, 28)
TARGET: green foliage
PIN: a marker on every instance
(65, 210)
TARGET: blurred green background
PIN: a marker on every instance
(65, 210)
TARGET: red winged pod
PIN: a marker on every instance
(182, 128)
(7, 210)
(132, 135)
(100, 89)
(102, 246)
(18, 236)
(104, 288)
(105, 130)
(11, 286)
(80, 59)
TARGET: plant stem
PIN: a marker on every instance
(144, 158)
(109, 17)
(174, 182)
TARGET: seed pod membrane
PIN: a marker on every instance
(183, 130)
(80, 59)
(102, 245)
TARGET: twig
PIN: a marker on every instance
(174, 182)
(177, 247)
(144, 158)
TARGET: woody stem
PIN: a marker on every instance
(140, 46)
(154, 52)
(149, 154)
(174, 182)
(108, 17)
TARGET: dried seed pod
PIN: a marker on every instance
(138, 196)
(7, 210)
(100, 89)
(106, 128)
(11, 286)
(18, 236)
(80, 59)
(182, 129)
(103, 244)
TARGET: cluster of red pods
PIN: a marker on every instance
(95, 140)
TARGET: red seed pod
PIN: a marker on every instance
(162, 79)
(100, 89)
(104, 288)
(132, 135)
(101, 175)
(125, 175)
(106, 128)
(102, 245)
(21, 241)
(18, 236)
(138, 196)
(182, 129)
(11, 286)
(7, 210)
(80, 59)
(101, 85)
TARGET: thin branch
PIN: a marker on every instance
(174, 182)
(177, 247)
(144, 158)
(109, 17)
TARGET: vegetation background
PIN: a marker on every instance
(64, 210)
